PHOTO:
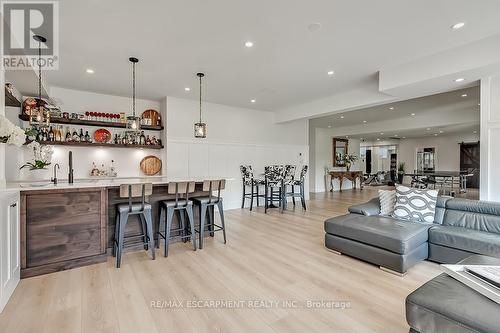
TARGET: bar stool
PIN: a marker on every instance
(142, 208)
(249, 180)
(297, 182)
(273, 182)
(206, 205)
(183, 206)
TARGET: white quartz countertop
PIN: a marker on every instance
(95, 182)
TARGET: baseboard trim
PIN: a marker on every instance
(388, 270)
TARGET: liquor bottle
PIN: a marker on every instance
(51, 134)
(82, 137)
(44, 134)
(68, 135)
(59, 133)
(87, 137)
(39, 135)
(142, 139)
(115, 141)
(76, 137)
(148, 140)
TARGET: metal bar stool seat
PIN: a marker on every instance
(296, 182)
(142, 209)
(183, 206)
(206, 205)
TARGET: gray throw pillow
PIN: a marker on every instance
(415, 204)
(387, 200)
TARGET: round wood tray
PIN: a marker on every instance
(150, 165)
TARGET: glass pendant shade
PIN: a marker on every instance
(133, 124)
(200, 130)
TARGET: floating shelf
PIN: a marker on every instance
(92, 123)
(11, 100)
(95, 144)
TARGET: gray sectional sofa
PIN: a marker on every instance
(461, 228)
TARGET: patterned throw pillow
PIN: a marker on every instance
(387, 200)
(415, 204)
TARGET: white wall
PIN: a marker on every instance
(490, 138)
(322, 159)
(126, 160)
(236, 136)
(447, 156)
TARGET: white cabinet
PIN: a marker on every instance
(10, 266)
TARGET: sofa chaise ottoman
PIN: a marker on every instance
(446, 305)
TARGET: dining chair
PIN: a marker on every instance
(293, 183)
(250, 181)
(273, 183)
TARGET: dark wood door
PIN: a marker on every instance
(368, 161)
(469, 161)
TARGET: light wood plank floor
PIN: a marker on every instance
(273, 257)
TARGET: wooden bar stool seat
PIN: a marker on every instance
(142, 209)
(183, 206)
(207, 205)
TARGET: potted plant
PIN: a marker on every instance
(401, 172)
(347, 160)
(10, 133)
(41, 159)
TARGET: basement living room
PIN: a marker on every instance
(194, 166)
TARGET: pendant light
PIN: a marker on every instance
(39, 117)
(133, 122)
(200, 128)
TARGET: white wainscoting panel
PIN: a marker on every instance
(193, 160)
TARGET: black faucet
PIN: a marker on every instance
(54, 180)
(70, 174)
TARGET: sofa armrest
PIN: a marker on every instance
(369, 208)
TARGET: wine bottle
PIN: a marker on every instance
(142, 139)
(51, 134)
(44, 135)
(82, 137)
(87, 137)
(68, 135)
(148, 140)
(76, 137)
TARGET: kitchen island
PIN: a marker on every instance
(65, 225)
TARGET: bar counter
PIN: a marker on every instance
(65, 226)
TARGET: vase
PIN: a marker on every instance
(348, 166)
(38, 174)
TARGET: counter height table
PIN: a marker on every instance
(70, 225)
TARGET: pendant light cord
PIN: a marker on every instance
(40, 73)
(133, 88)
(200, 98)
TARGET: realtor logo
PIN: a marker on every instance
(21, 21)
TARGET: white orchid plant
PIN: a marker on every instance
(42, 156)
(10, 133)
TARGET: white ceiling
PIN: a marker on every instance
(288, 63)
(418, 117)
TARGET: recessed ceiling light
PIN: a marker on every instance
(460, 79)
(330, 73)
(313, 27)
(458, 25)
(428, 128)
(187, 89)
(435, 134)
(391, 108)
(341, 117)
(347, 136)
(404, 137)
(441, 132)
(248, 44)
(253, 101)
(464, 95)
(412, 114)
(329, 126)
(378, 139)
(90, 71)
(478, 104)
(396, 135)
(475, 132)
(382, 133)
(364, 121)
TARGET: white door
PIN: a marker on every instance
(9, 246)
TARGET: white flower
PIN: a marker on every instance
(17, 138)
(14, 134)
